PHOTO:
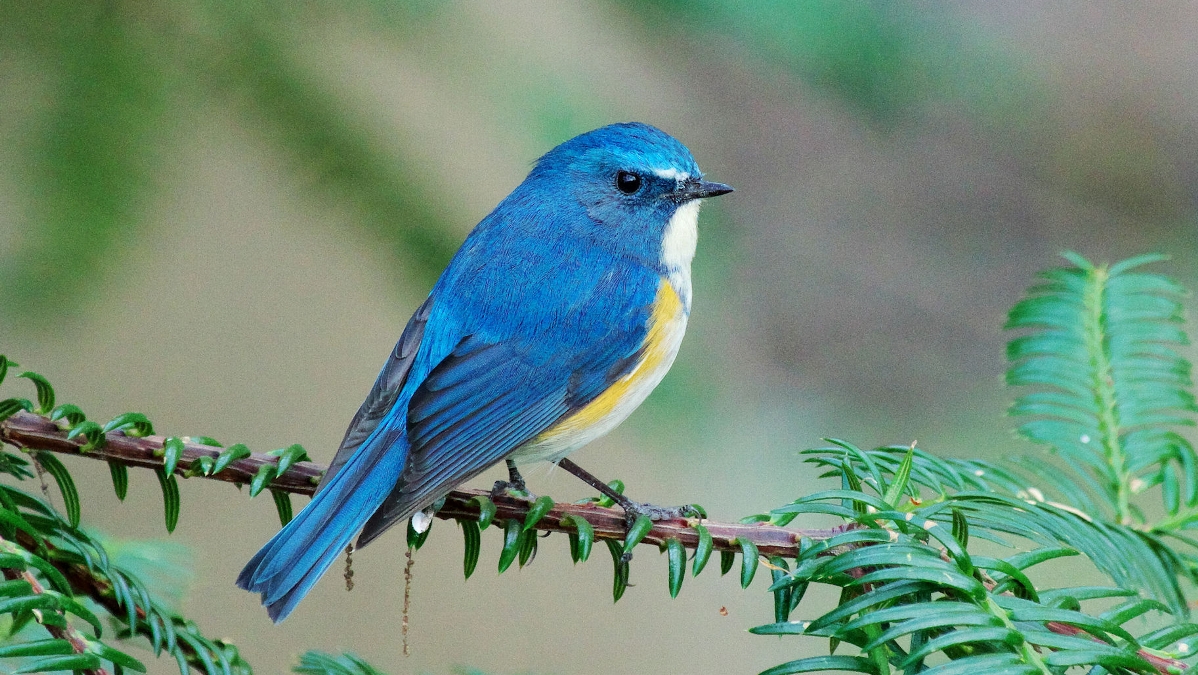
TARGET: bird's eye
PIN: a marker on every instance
(628, 182)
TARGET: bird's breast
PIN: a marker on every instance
(666, 326)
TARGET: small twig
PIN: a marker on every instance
(41, 476)
(70, 634)
(349, 567)
(407, 599)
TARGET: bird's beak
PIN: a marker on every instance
(700, 189)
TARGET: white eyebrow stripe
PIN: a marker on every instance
(672, 174)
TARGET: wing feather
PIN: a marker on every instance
(491, 394)
(383, 394)
(477, 406)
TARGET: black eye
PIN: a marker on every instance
(628, 182)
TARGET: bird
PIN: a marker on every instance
(562, 310)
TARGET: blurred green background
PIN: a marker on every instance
(222, 215)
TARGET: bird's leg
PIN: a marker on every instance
(514, 479)
(514, 483)
(631, 509)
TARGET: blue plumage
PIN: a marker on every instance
(553, 300)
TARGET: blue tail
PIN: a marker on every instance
(287, 567)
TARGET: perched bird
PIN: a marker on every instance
(560, 313)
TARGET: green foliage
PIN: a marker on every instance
(66, 485)
(282, 506)
(1109, 391)
(702, 550)
(581, 540)
(228, 456)
(120, 479)
(417, 539)
(911, 591)
(619, 582)
(473, 546)
(537, 511)
(986, 501)
(1110, 388)
(45, 392)
(52, 566)
(319, 663)
(677, 565)
(512, 535)
(171, 500)
(636, 532)
(486, 512)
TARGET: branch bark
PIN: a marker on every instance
(35, 432)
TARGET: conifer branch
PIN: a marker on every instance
(62, 632)
(100, 589)
(35, 432)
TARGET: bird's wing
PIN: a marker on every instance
(383, 395)
(487, 398)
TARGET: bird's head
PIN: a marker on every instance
(639, 187)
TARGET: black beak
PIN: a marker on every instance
(700, 189)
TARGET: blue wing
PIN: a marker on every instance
(474, 408)
(486, 399)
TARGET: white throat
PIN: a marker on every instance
(678, 249)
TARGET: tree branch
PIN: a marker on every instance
(35, 432)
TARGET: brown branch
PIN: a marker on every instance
(69, 633)
(1163, 664)
(35, 432)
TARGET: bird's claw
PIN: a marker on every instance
(634, 510)
(514, 485)
(653, 512)
(505, 488)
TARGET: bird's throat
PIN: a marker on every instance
(678, 244)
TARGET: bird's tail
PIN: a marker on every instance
(287, 567)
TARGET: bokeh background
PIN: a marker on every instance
(222, 215)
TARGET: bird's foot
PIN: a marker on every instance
(514, 485)
(634, 510)
(505, 488)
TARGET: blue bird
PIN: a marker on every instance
(560, 313)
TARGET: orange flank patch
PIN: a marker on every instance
(666, 324)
